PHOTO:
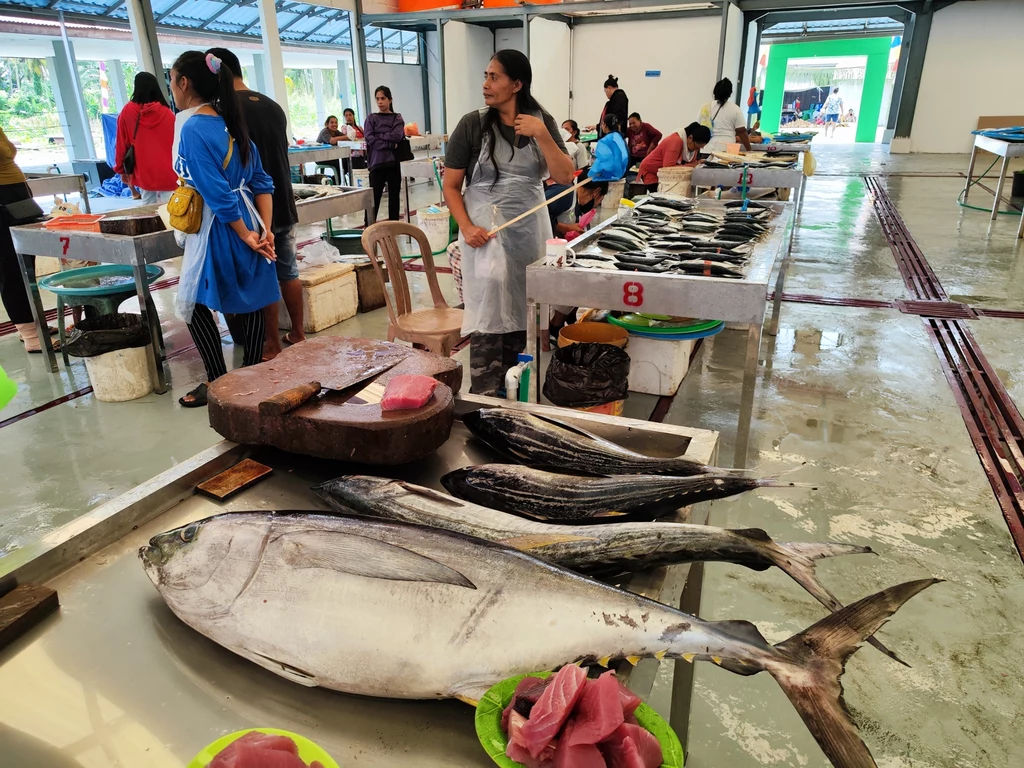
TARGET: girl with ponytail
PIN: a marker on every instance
(228, 265)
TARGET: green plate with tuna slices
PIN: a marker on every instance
(495, 742)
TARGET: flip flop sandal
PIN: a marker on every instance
(198, 396)
(287, 342)
(54, 344)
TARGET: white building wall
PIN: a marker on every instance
(509, 38)
(467, 49)
(550, 55)
(406, 84)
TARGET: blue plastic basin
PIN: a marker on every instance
(102, 280)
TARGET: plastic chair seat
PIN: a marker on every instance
(443, 320)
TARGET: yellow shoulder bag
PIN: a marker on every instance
(186, 204)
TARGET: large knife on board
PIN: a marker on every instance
(290, 399)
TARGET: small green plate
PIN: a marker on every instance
(633, 322)
(495, 742)
(308, 751)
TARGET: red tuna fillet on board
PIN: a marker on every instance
(599, 711)
(516, 749)
(631, 746)
(408, 391)
(578, 756)
(553, 708)
(260, 750)
(530, 689)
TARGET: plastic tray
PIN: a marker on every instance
(78, 222)
(308, 751)
(681, 336)
(88, 281)
(494, 740)
(634, 326)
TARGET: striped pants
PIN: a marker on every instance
(206, 335)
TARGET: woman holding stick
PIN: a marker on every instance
(503, 153)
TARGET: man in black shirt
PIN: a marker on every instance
(268, 129)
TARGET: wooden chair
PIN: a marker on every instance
(437, 329)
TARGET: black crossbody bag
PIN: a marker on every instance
(129, 157)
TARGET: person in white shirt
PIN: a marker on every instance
(725, 119)
(577, 151)
(832, 110)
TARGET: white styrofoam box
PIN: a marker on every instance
(616, 191)
(657, 366)
(120, 375)
(329, 295)
(47, 265)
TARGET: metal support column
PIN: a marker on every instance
(425, 76)
(147, 47)
(67, 91)
(897, 86)
(260, 70)
(118, 86)
(360, 66)
(721, 40)
(345, 91)
(273, 56)
(440, 73)
(318, 96)
(526, 34)
(915, 66)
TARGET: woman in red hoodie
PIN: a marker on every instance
(146, 127)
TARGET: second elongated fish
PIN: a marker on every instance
(571, 498)
(540, 441)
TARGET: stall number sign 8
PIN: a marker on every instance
(632, 294)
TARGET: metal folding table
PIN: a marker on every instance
(44, 184)
(728, 299)
(116, 678)
(140, 250)
(299, 156)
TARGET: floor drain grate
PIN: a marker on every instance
(990, 415)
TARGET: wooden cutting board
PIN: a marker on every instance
(342, 425)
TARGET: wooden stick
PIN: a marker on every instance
(536, 208)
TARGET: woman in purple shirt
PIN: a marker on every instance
(383, 131)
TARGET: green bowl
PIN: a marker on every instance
(495, 742)
(640, 323)
(308, 751)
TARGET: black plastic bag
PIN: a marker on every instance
(583, 375)
(106, 333)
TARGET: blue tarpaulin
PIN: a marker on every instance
(109, 125)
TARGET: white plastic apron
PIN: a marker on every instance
(494, 276)
(196, 248)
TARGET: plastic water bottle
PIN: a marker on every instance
(626, 209)
(517, 380)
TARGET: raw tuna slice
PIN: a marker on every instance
(553, 708)
(599, 711)
(252, 756)
(261, 750)
(529, 688)
(579, 755)
(630, 701)
(408, 391)
(516, 749)
(631, 746)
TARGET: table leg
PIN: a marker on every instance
(999, 187)
(532, 350)
(85, 194)
(970, 171)
(405, 191)
(747, 395)
(151, 322)
(1020, 227)
(38, 313)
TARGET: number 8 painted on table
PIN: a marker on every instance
(632, 294)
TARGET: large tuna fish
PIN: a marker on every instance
(402, 611)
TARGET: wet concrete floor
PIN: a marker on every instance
(853, 397)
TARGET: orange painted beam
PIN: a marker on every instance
(411, 6)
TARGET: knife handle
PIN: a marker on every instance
(289, 400)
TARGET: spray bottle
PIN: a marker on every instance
(517, 380)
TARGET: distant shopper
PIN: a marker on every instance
(352, 128)
(617, 104)
(576, 149)
(384, 129)
(611, 158)
(146, 127)
(268, 129)
(832, 110)
(725, 119)
(678, 148)
(228, 264)
(330, 133)
(14, 189)
(850, 117)
(641, 137)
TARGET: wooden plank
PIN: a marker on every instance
(229, 482)
(22, 608)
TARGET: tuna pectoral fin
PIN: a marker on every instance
(809, 665)
(363, 556)
(294, 674)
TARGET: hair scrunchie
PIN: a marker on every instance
(213, 63)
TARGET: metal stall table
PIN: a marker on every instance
(1008, 150)
(727, 299)
(140, 250)
(299, 156)
(418, 169)
(45, 184)
(117, 679)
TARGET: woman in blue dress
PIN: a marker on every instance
(228, 264)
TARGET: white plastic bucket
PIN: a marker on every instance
(437, 228)
(120, 375)
(616, 189)
(675, 179)
(361, 178)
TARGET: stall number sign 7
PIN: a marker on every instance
(65, 243)
(632, 294)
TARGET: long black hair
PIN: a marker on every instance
(147, 90)
(387, 94)
(723, 90)
(216, 84)
(611, 123)
(700, 134)
(517, 67)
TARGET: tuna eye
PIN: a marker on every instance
(189, 533)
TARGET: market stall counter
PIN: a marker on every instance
(116, 679)
(731, 300)
(316, 204)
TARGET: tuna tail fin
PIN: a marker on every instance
(809, 665)
(797, 560)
